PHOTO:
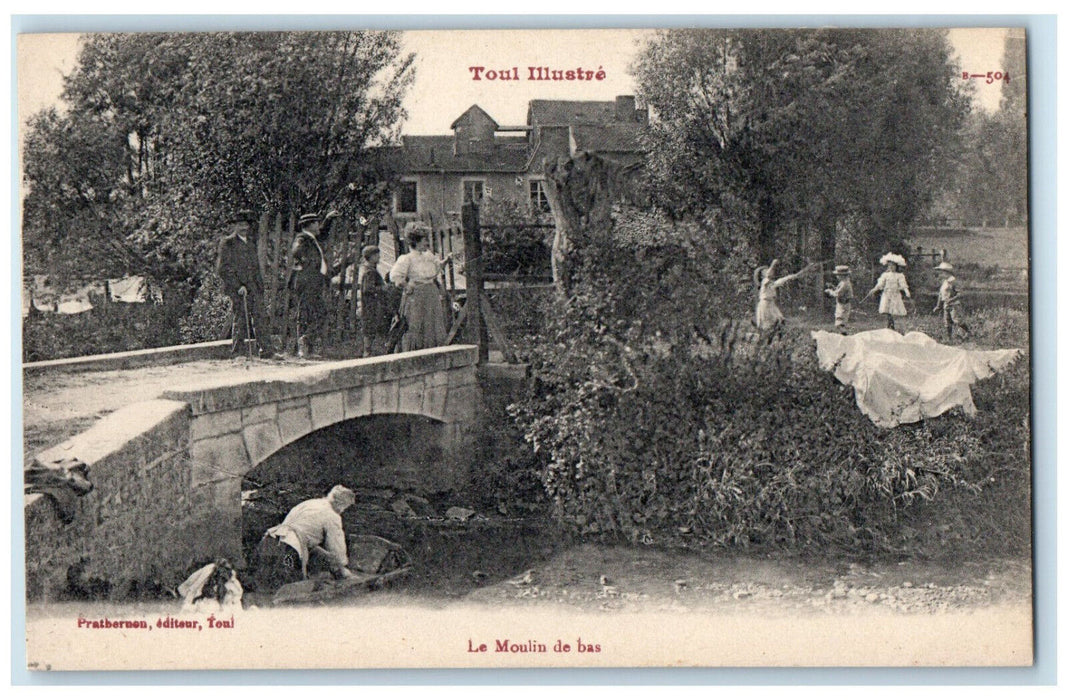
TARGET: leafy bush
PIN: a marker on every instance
(209, 316)
(522, 311)
(990, 326)
(513, 243)
(660, 419)
(117, 327)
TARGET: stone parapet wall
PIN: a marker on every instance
(138, 525)
(212, 350)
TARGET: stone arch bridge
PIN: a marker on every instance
(166, 473)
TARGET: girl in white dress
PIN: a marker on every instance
(892, 284)
(768, 314)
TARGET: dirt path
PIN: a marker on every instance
(601, 579)
(628, 579)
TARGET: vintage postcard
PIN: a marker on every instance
(542, 348)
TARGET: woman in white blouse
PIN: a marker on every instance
(421, 306)
(892, 284)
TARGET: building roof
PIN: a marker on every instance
(436, 153)
(612, 138)
(472, 112)
(544, 112)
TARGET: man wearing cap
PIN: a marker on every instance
(309, 540)
(308, 279)
(238, 267)
(949, 301)
(843, 298)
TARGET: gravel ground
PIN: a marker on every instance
(596, 577)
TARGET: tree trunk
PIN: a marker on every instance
(561, 239)
(581, 192)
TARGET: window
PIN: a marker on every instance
(539, 202)
(407, 197)
(472, 191)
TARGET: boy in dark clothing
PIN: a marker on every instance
(374, 303)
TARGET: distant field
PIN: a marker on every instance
(1001, 247)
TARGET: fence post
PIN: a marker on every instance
(340, 317)
(272, 271)
(287, 323)
(473, 271)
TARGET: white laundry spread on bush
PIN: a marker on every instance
(903, 379)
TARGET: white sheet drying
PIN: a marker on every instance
(903, 379)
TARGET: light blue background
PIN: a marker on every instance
(1042, 37)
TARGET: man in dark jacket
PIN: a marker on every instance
(239, 269)
(309, 279)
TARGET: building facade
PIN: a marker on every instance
(482, 159)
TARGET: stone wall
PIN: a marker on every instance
(139, 524)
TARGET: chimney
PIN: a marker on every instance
(625, 111)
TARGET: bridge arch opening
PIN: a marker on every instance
(376, 455)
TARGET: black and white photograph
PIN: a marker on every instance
(371, 348)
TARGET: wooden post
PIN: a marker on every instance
(473, 270)
(394, 229)
(273, 272)
(288, 320)
(452, 264)
(340, 317)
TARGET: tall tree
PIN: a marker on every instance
(163, 134)
(788, 129)
(989, 178)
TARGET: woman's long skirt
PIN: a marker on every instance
(422, 308)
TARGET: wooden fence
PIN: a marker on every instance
(343, 250)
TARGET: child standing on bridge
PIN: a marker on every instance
(375, 311)
(949, 300)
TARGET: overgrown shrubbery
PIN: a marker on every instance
(209, 316)
(522, 312)
(510, 244)
(661, 420)
(115, 328)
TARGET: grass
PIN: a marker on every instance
(994, 247)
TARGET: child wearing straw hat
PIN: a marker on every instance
(892, 284)
(949, 301)
(843, 298)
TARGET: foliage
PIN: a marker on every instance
(663, 417)
(801, 128)
(164, 135)
(119, 327)
(765, 450)
(988, 186)
(513, 243)
(523, 311)
(209, 315)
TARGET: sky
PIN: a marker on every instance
(444, 87)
